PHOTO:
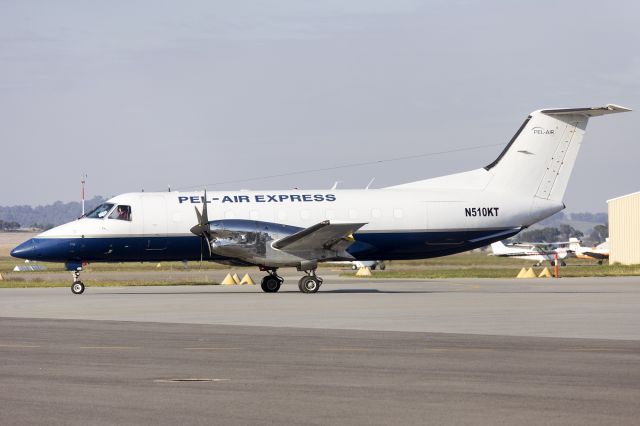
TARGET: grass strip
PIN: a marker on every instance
(17, 283)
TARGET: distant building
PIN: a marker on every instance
(624, 229)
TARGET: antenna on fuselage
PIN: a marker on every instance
(370, 182)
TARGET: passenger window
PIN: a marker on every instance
(121, 213)
(397, 213)
(376, 213)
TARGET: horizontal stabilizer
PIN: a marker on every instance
(590, 112)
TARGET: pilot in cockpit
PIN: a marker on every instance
(122, 213)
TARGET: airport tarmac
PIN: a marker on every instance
(358, 352)
(600, 308)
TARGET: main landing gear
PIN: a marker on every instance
(271, 283)
(77, 287)
(310, 283)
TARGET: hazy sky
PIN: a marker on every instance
(142, 94)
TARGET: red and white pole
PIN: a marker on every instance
(83, 179)
(556, 268)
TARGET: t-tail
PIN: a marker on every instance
(540, 157)
(538, 160)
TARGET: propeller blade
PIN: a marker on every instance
(202, 229)
(205, 216)
(198, 215)
(206, 237)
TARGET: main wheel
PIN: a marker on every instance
(77, 287)
(270, 284)
(309, 284)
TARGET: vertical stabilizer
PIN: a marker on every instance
(539, 158)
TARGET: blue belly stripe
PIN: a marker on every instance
(367, 246)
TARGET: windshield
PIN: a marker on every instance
(100, 211)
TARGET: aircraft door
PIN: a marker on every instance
(154, 222)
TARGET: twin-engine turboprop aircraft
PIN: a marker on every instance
(272, 229)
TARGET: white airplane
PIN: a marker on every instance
(598, 252)
(359, 264)
(537, 252)
(273, 229)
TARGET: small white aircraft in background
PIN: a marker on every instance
(538, 252)
(599, 252)
(273, 229)
(359, 264)
(371, 264)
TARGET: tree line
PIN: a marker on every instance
(562, 233)
(45, 217)
(562, 217)
(8, 226)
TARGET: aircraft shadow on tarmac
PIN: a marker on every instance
(352, 291)
(356, 291)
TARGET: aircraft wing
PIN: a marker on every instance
(321, 236)
(595, 255)
(524, 244)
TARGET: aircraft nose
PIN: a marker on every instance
(26, 250)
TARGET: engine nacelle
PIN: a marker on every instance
(250, 240)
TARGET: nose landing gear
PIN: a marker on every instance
(77, 287)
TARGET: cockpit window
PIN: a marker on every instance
(121, 213)
(100, 211)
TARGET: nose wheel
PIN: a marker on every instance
(77, 287)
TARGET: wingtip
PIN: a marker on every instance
(617, 108)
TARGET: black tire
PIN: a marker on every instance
(270, 284)
(309, 284)
(383, 266)
(77, 287)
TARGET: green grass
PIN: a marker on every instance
(478, 260)
(39, 283)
